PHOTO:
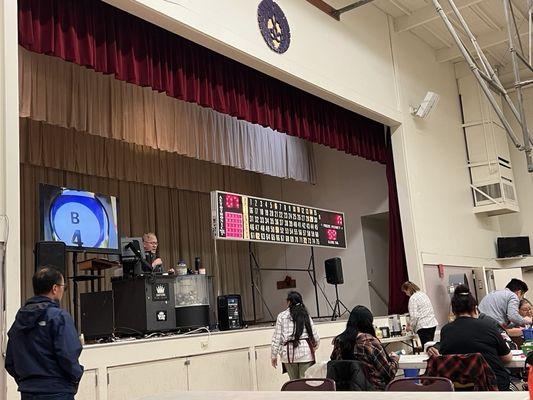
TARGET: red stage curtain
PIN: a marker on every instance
(96, 35)
(397, 262)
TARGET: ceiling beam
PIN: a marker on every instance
(351, 7)
(325, 7)
(506, 76)
(518, 12)
(438, 37)
(427, 14)
(333, 12)
(507, 69)
(482, 15)
(485, 41)
(401, 7)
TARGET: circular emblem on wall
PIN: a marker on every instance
(273, 26)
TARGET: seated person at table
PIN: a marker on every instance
(507, 339)
(525, 310)
(515, 332)
(468, 334)
(150, 250)
(359, 342)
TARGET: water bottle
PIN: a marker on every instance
(197, 264)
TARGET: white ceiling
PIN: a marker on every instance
(485, 18)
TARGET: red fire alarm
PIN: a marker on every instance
(441, 270)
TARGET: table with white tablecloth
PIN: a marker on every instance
(419, 361)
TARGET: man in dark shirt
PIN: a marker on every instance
(43, 346)
(151, 255)
(150, 250)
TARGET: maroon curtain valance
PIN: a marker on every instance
(96, 35)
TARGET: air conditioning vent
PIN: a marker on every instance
(493, 191)
(488, 157)
(509, 192)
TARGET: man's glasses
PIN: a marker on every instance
(154, 243)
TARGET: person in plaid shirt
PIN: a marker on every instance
(359, 342)
(295, 338)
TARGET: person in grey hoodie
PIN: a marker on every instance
(43, 346)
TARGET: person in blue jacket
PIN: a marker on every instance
(43, 346)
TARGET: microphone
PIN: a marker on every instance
(145, 265)
(134, 249)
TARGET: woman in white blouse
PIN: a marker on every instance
(295, 338)
(422, 317)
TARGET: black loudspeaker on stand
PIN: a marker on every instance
(334, 276)
(51, 253)
(97, 319)
(55, 254)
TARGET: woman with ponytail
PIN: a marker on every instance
(295, 338)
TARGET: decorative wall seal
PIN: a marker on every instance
(274, 26)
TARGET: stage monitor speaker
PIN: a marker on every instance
(229, 309)
(334, 271)
(97, 314)
(51, 253)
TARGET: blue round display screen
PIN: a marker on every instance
(79, 219)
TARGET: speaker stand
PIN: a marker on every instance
(75, 278)
(337, 306)
(311, 271)
(75, 286)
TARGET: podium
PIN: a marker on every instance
(144, 304)
(96, 264)
(93, 265)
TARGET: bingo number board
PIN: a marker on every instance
(241, 217)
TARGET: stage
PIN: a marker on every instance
(223, 361)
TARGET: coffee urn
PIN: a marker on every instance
(395, 325)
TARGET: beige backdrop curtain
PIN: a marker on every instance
(157, 191)
(68, 95)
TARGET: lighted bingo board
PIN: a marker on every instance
(241, 217)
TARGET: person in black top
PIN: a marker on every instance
(468, 334)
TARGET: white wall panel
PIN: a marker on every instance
(127, 382)
(221, 371)
(87, 390)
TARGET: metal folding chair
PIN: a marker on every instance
(307, 385)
